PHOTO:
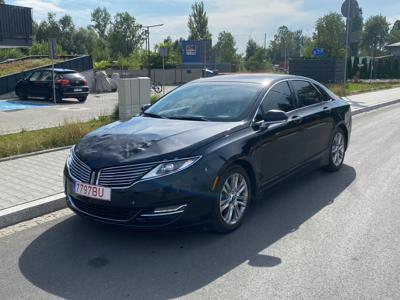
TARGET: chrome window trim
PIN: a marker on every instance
(266, 94)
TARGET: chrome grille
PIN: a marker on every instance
(123, 176)
(78, 169)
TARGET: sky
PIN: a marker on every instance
(243, 18)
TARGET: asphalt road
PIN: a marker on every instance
(319, 236)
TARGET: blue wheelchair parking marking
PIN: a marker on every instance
(6, 105)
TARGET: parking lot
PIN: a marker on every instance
(16, 115)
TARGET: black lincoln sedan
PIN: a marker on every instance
(39, 83)
(206, 151)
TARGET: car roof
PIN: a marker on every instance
(59, 70)
(259, 78)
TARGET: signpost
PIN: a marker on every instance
(163, 53)
(53, 55)
(349, 9)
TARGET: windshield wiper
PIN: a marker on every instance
(153, 115)
(189, 118)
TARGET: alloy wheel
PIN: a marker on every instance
(338, 150)
(233, 198)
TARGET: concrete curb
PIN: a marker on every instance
(373, 107)
(30, 210)
(34, 153)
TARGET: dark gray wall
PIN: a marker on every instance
(15, 26)
(322, 70)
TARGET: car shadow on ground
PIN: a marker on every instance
(78, 259)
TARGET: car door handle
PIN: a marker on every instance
(296, 119)
(327, 109)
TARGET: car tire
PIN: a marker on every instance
(82, 99)
(231, 205)
(337, 151)
(21, 94)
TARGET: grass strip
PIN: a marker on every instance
(358, 88)
(36, 140)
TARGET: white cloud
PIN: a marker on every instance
(41, 8)
(244, 19)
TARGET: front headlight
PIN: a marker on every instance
(69, 157)
(171, 167)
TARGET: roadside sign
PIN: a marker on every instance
(318, 52)
(349, 10)
(163, 51)
(52, 48)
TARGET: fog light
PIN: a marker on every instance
(169, 209)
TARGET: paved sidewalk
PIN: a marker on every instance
(373, 99)
(30, 178)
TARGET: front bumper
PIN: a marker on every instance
(70, 92)
(178, 200)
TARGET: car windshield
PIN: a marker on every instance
(222, 102)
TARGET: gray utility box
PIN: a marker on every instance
(133, 93)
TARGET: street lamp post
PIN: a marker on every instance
(147, 33)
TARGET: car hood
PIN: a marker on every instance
(143, 139)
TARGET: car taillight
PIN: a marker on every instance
(84, 82)
(63, 82)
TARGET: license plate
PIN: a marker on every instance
(78, 90)
(92, 191)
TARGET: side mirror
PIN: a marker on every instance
(275, 116)
(145, 107)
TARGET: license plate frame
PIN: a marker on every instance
(78, 90)
(92, 191)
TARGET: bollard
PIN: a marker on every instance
(133, 93)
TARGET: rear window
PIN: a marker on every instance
(71, 76)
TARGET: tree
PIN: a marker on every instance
(125, 35)
(225, 48)
(255, 59)
(85, 41)
(67, 32)
(102, 20)
(356, 26)
(376, 34)
(286, 44)
(395, 33)
(251, 49)
(328, 34)
(198, 23)
(48, 28)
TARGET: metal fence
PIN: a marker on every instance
(80, 64)
(15, 26)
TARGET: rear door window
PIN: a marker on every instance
(46, 76)
(35, 76)
(306, 93)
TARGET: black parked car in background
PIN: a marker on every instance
(39, 83)
(206, 150)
